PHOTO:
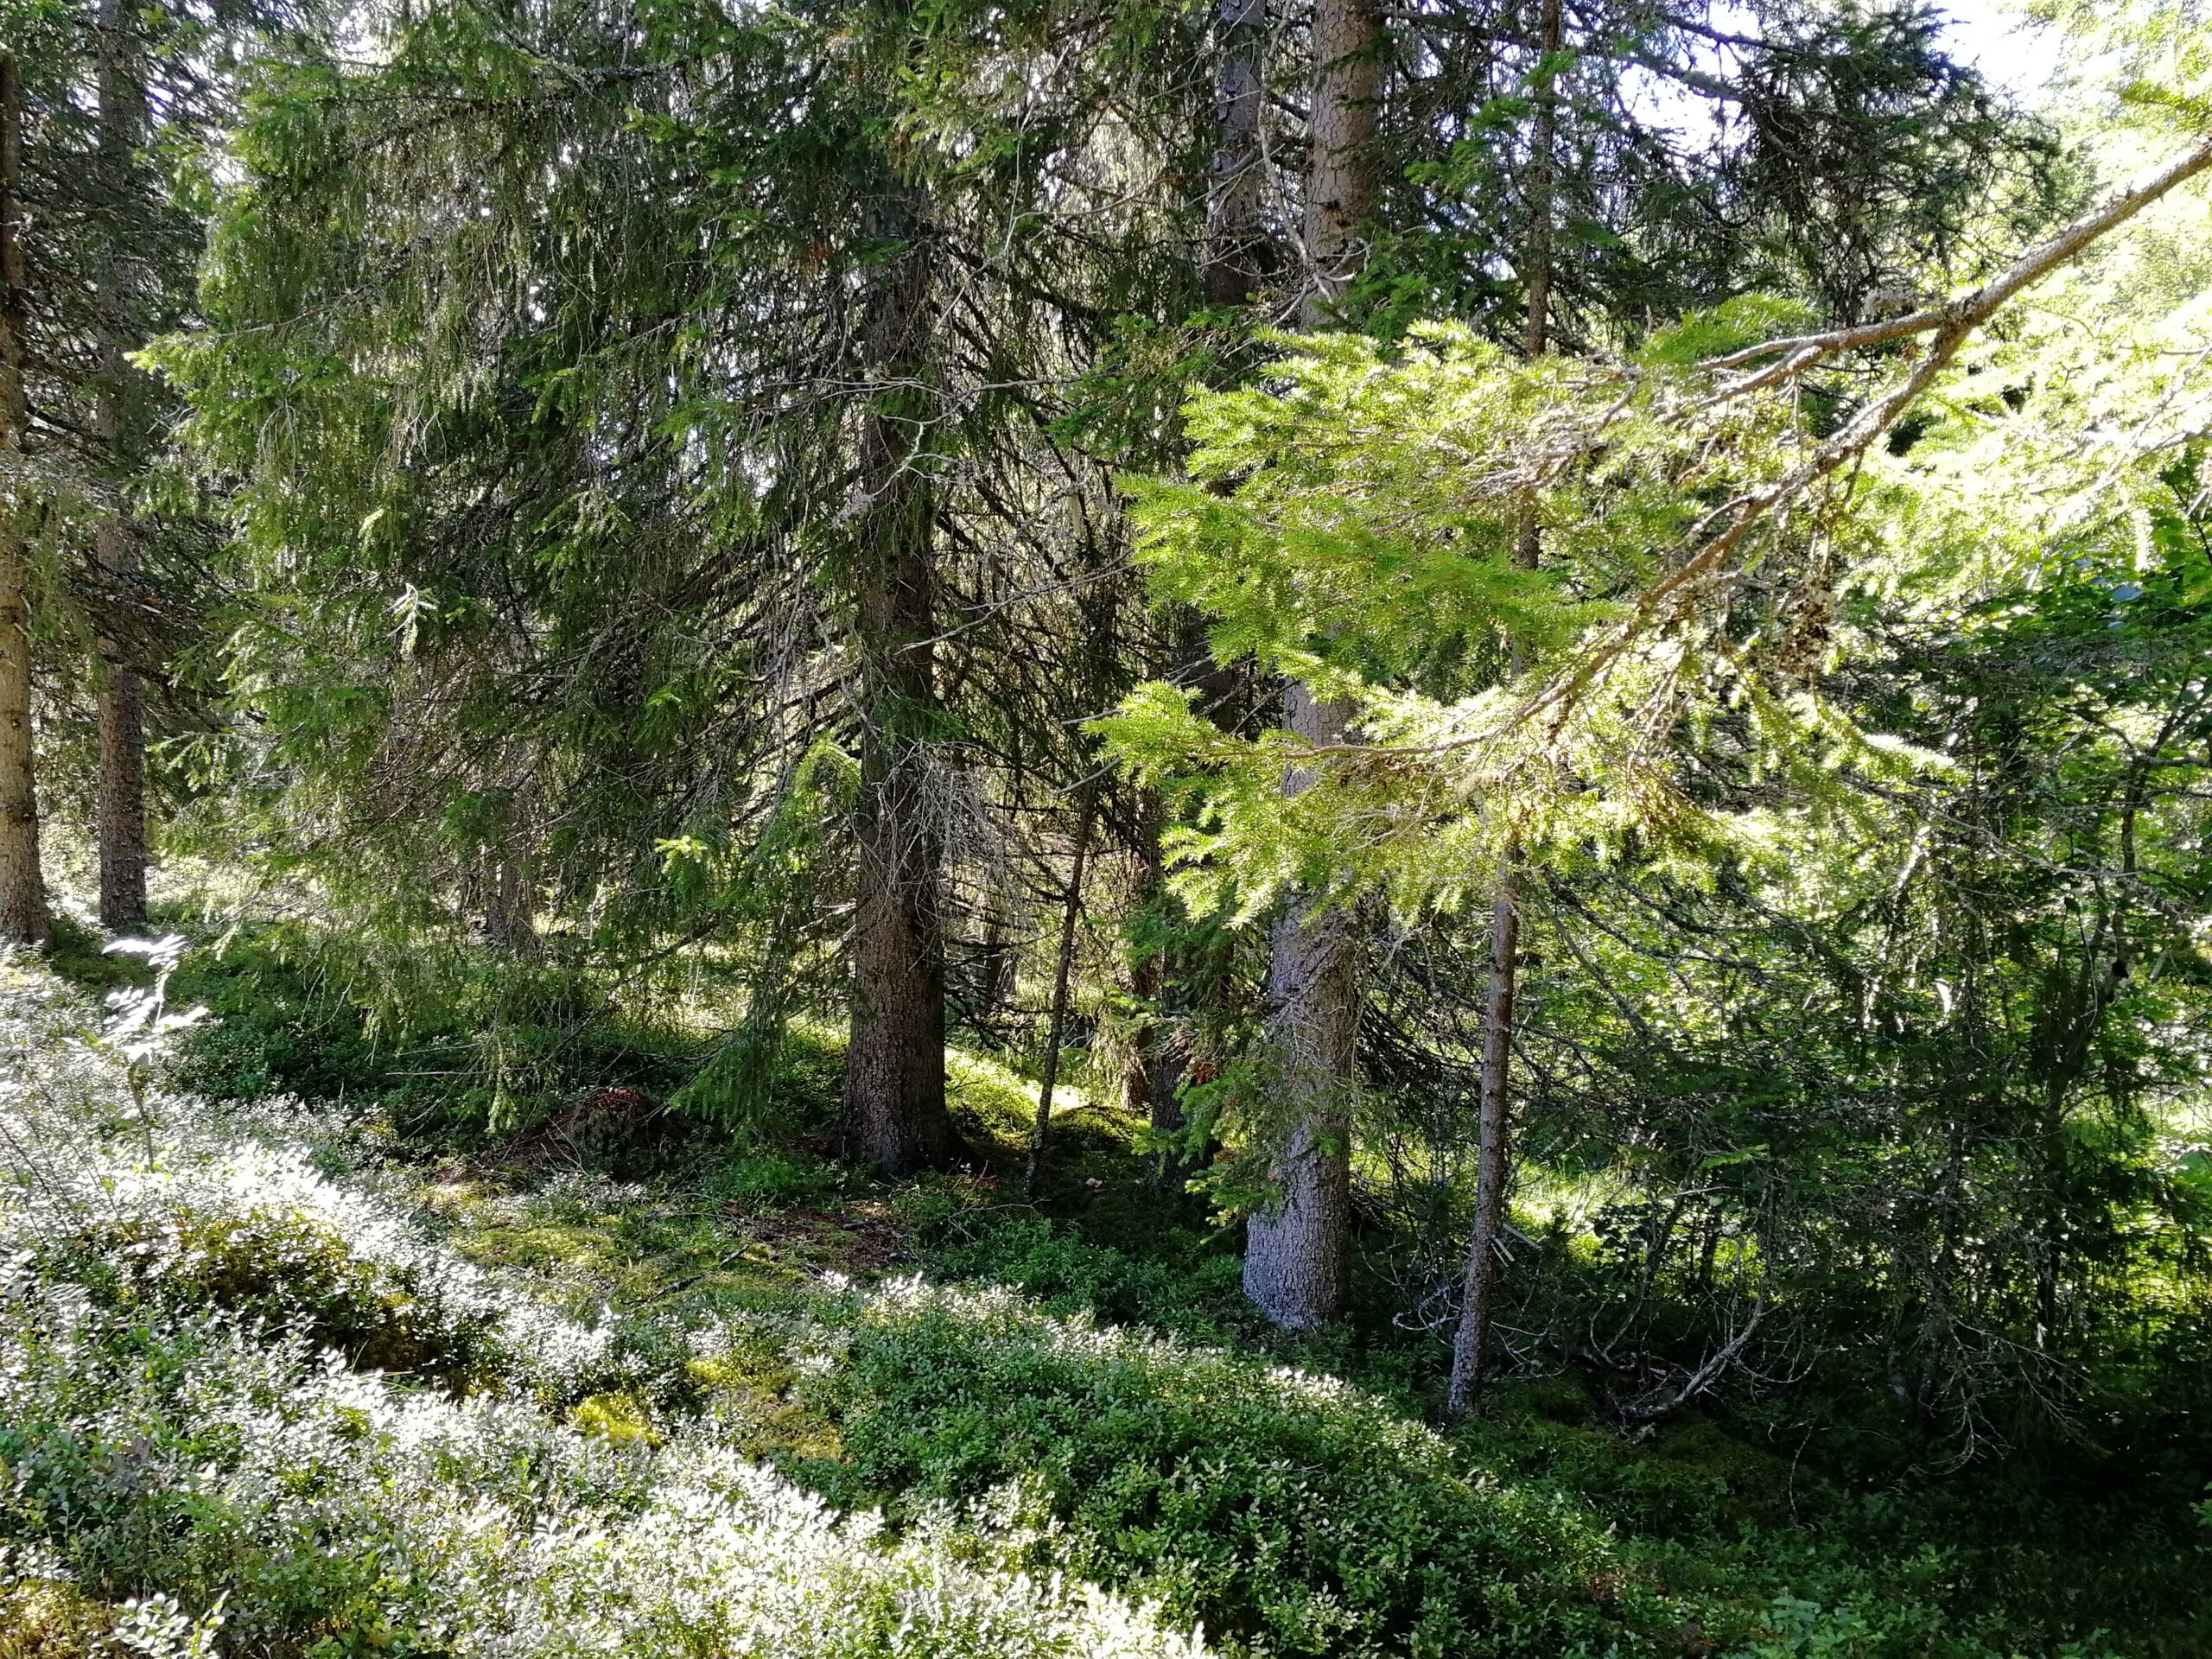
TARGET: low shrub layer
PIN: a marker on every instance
(1298, 1514)
(202, 1450)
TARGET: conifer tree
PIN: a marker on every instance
(895, 1113)
(1493, 1155)
(23, 885)
(1297, 1251)
(120, 808)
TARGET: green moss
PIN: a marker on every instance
(46, 1618)
(619, 1417)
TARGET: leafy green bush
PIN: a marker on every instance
(1288, 1511)
(1195, 1295)
(777, 1082)
(442, 1038)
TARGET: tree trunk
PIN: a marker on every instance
(23, 917)
(510, 909)
(2051, 1231)
(1229, 272)
(121, 796)
(1159, 981)
(1493, 1155)
(893, 1113)
(1493, 1165)
(1233, 178)
(1340, 140)
(1062, 970)
(1168, 978)
(1297, 1251)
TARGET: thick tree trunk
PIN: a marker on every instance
(510, 910)
(893, 1115)
(1340, 139)
(1493, 1155)
(121, 796)
(1297, 1251)
(23, 917)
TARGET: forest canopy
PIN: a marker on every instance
(1460, 752)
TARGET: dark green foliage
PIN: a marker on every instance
(289, 1274)
(1178, 1286)
(464, 1042)
(1284, 1513)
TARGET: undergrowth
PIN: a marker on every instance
(644, 1370)
(248, 1407)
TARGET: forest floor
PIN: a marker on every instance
(1084, 1365)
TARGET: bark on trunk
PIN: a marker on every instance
(511, 910)
(1159, 981)
(998, 953)
(1233, 251)
(1166, 978)
(893, 1113)
(1493, 1156)
(123, 800)
(1063, 970)
(1297, 1249)
(23, 917)
(2050, 1234)
(1340, 164)
(121, 811)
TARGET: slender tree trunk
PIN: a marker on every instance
(1234, 234)
(122, 809)
(996, 953)
(1494, 1153)
(1493, 1165)
(1160, 981)
(1168, 978)
(2050, 1234)
(893, 1115)
(23, 917)
(1062, 969)
(121, 796)
(1297, 1249)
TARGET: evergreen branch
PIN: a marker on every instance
(1962, 316)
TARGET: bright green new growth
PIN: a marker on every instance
(1357, 525)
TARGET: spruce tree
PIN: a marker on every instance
(23, 917)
